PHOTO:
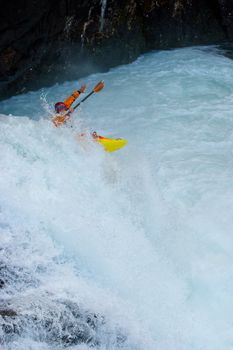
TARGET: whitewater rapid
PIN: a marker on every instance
(139, 241)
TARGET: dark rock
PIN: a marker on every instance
(7, 313)
(2, 283)
(226, 14)
(43, 42)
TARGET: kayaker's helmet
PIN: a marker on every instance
(60, 107)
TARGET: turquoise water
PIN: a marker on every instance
(143, 236)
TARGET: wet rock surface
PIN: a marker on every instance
(30, 310)
(59, 322)
(43, 42)
(56, 322)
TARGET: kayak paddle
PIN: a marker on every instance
(97, 88)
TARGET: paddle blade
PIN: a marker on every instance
(99, 86)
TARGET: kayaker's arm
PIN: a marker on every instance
(68, 102)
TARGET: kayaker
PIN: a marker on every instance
(64, 109)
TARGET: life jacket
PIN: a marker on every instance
(68, 102)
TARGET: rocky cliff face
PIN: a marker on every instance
(43, 42)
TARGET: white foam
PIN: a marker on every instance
(148, 228)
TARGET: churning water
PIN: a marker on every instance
(130, 250)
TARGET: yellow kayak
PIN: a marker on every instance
(110, 145)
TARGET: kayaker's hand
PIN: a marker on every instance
(59, 120)
(71, 109)
(82, 88)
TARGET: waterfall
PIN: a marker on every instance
(103, 9)
(86, 24)
(68, 26)
(130, 250)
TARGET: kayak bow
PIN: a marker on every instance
(110, 145)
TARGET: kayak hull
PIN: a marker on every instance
(111, 145)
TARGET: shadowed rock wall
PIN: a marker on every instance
(43, 42)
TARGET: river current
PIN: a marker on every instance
(131, 250)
